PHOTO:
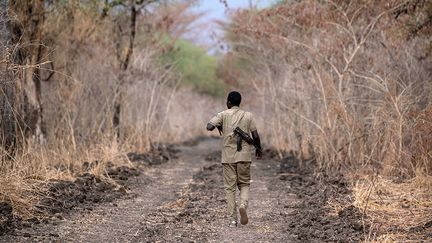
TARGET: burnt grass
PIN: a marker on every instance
(61, 197)
(312, 220)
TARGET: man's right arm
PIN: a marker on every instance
(257, 142)
(215, 122)
(210, 127)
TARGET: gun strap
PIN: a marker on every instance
(241, 118)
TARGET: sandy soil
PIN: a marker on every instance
(183, 201)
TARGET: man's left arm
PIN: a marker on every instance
(256, 138)
(257, 142)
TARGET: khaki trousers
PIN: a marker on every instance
(236, 175)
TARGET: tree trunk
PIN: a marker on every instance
(27, 29)
(7, 87)
(124, 61)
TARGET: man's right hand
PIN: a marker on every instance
(210, 127)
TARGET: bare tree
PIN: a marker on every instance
(125, 51)
(337, 78)
(7, 84)
(26, 23)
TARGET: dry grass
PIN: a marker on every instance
(21, 193)
(398, 207)
(78, 133)
(79, 56)
(349, 87)
(25, 179)
(79, 128)
(342, 86)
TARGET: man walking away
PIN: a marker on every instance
(236, 126)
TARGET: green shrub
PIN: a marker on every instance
(196, 67)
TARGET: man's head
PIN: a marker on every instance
(234, 99)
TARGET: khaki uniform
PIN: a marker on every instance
(236, 165)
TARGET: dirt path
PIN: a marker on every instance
(198, 213)
(183, 201)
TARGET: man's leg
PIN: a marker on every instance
(230, 181)
(243, 183)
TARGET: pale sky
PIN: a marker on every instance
(215, 10)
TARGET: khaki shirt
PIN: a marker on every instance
(229, 120)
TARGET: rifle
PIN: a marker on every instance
(241, 135)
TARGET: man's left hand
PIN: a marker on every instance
(258, 153)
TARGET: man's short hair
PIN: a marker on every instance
(234, 98)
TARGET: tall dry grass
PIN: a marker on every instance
(81, 62)
(342, 83)
(346, 83)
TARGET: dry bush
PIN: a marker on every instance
(80, 72)
(347, 83)
(25, 179)
(80, 99)
(174, 115)
(189, 113)
(340, 80)
(182, 116)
